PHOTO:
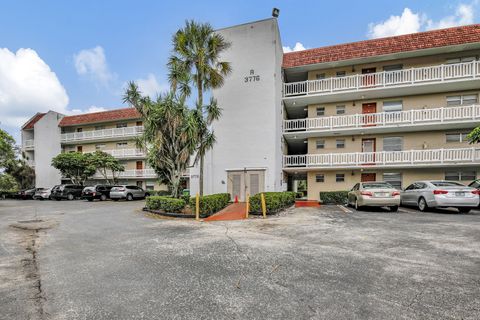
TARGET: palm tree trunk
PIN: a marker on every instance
(200, 107)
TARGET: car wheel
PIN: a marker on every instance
(464, 210)
(394, 208)
(103, 197)
(70, 196)
(129, 197)
(422, 204)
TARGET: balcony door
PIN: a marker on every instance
(368, 177)
(368, 78)
(139, 167)
(368, 111)
(368, 148)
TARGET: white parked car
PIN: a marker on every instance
(440, 194)
(374, 194)
(42, 193)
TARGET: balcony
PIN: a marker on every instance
(28, 144)
(127, 153)
(31, 163)
(385, 159)
(409, 120)
(132, 174)
(102, 135)
(458, 76)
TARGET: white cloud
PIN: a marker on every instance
(464, 14)
(150, 86)
(298, 47)
(87, 110)
(93, 63)
(408, 22)
(411, 22)
(27, 86)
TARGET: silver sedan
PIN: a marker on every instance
(127, 192)
(440, 194)
(374, 194)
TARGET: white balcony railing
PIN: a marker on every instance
(401, 118)
(126, 153)
(385, 158)
(28, 144)
(132, 173)
(102, 134)
(411, 77)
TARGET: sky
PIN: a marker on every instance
(77, 56)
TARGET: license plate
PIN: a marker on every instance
(381, 194)
(460, 194)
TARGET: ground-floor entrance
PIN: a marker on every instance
(243, 182)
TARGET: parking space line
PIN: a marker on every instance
(407, 210)
(344, 209)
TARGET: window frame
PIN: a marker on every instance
(322, 144)
(322, 109)
(339, 177)
(318, 176)
(341, 145)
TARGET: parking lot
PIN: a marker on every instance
(109, 260)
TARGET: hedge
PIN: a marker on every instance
(274, 201)
(162, 193)
(211, 204)
(334, 197)
(166, 204)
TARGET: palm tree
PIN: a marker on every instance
(196, 62)
(170, 134)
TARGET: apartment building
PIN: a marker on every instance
(394, 109)
(114, 132)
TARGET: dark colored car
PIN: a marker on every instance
(26, 194)
(99, 191)
(67, 191)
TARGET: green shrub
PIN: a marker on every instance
(334, 197)
(211, 204)
(162, 193)
(166, 204)
(274, 201)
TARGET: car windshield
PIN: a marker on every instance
(377, 185)
(447, 184)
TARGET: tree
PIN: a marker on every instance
(107, 165)
(76, 166)
(7, 148)
(170, 134)
(21, 172)
(474, 136)
(8, 183)
(196, 62)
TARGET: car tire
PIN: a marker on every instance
(422, 204)
(129, 197)
(103, 197)
(70, 196)
(464, 209)
(394, 208)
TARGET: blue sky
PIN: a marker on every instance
(83, 52)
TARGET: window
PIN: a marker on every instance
(340, 143)
(462, 100)
(122, 125)
(341, 74)
(392, 106)
(394, 178)
(139, 123)
(393, 67)
(79, 148)
(149, 185)
(320, 144)
(393, 144)
(340, 177)
(79, 129)
(460, 175)
(121, 145)
(320, 177)
(456, 137)
(99, 147)
(320, 111)
(99, 127)
(461, 59)
(320, 76)
(340, 109)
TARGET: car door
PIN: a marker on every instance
(418, 192)
(407, 195)
(352, 194)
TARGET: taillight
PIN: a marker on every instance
(440, 192)
(476, 192)
(94, 194)
(366, 193)
(395, 193)
(121, 189)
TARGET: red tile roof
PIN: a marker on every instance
(30, 123)
(383, 46)
(104, 116)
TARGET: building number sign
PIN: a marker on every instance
(252, 77)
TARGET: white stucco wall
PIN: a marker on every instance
(249, 131)
(47, 145)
